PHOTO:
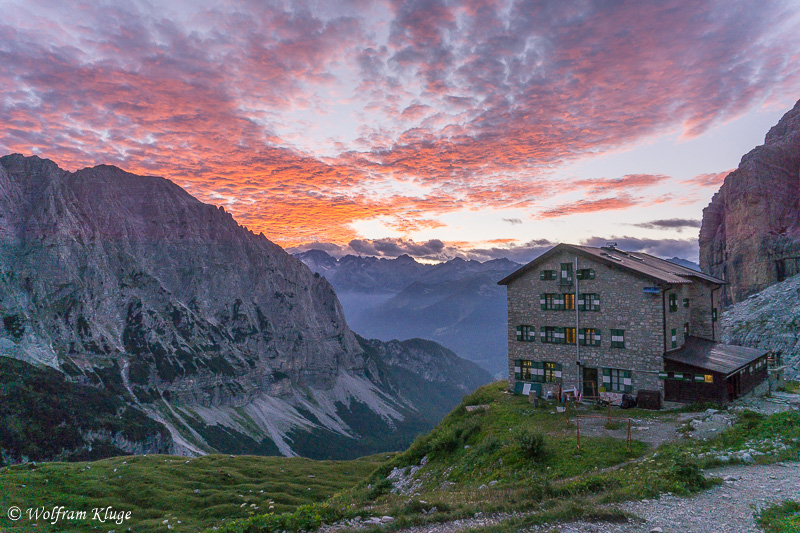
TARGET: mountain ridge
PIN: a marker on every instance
(128, 283)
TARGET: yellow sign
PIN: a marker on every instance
(709, 378)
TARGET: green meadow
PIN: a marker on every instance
(161, 491)
(509, 457)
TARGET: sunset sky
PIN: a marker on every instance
(436, 128)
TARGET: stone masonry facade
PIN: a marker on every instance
(654, 317)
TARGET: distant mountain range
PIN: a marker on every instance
(457, 303)
(136, 319)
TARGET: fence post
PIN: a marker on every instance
(629, 434)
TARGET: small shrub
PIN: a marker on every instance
(531, 443)
(488, 446)
(688, 475)
(749, 420)
(780, 518)
(450, 438)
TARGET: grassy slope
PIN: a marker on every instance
(160, 487)
(43, 416)
(467, 451)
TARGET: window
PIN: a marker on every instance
(555, 301)
(673, 303)
(686, 302)
(617, 338)
(586, 273)
(685, 329)
(526, 333)
(525, 370)
(552, 371)
(566, 274)
(550, 301)
(589, 302)
(569, 335)
(616, 380)
(714, 315)
(547, 274)
(589, 337)
(553, 335)
(674, 333)
(536, 371)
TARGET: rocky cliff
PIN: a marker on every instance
(129, 284)
(750, 234)
(769, 320)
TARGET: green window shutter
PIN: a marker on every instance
(605, 378)
(591, 273)
(519, 333)
(543, 301)
(686, 302)
(595, 303)
(581, 302)
(537, 371)
(561, 336)
(558, 371)
(627, 382)
(597, 337)
(517, 369)
(541, 274)
(582, 337)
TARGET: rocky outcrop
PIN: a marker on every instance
(750, 234)
(768, 320)
(210, 330)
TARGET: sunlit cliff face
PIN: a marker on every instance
(483, 126)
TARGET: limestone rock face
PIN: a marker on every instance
(768, 320)
(750, 234)
(130, 283)
(101, 263)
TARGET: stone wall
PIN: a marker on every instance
(645, 318)
(623, 305)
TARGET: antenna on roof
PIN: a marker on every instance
(611, 245)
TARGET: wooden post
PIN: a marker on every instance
(578, 429)
(609, 412)
(567, 410)
(629, 434)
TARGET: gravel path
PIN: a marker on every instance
(723, 509)
(727, 508)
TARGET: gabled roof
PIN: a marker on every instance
(714, 356)
(646, 265)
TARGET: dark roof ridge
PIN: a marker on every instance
(650, 266)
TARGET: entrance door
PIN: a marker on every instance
(734, 384)
(589, 382)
